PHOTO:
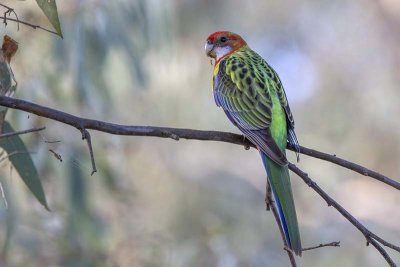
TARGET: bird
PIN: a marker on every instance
(251, 94)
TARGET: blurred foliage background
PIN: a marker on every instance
(158, 202)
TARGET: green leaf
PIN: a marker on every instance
(22, 162)
(49, 8)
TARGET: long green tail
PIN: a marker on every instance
(280, 184)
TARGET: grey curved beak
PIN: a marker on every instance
(209, 49)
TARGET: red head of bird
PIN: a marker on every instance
(220, 44)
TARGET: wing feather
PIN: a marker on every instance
(285, 104)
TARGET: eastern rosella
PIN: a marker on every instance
(252, 97)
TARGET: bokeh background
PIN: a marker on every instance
(158, 202)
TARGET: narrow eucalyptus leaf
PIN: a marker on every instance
(22, 162)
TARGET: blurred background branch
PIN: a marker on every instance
(9, 11)
(5, 135)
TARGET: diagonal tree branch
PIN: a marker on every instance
(83, 124)
(370, 237)
(348, 165)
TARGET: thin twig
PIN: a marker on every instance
(9, 11)
(3, 196)
(33, 26)
(56, 155)
(49, 141)
(17, 152)
(52, 142)
(331, 244)
(7, 7)
(4, 135)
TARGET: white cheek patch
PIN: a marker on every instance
(222, 51)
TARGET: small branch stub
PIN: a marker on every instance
(86, 136)
(331, 244)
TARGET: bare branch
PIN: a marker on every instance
(4, 135)
(331, 244)
(175, 134)
(83, 124)
(348, 165)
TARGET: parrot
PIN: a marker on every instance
(251, 95)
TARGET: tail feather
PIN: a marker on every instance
(279, 180)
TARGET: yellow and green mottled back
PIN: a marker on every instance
(251, 94)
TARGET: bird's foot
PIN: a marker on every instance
(268, 197)
(246, 143)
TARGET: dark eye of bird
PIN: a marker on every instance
(223, 39)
